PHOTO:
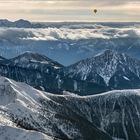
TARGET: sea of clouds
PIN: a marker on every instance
(73, 32)
(69, 43)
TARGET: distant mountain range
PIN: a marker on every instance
(28, 114)
(22, 23)
(68, 42)
(18, 24)
(107, 71)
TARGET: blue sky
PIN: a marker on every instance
(70, 10)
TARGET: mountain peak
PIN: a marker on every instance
(105, 65)
(22, 23)
(112, 58)
(34, 60)
(22, 20)
(108, 51)
(30, 56)
(111, 54)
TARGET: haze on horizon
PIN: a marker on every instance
(71, 10)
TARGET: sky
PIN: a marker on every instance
(71, 10)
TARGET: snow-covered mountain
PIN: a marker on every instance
(35, 61)
(33, 69)
(117, 70)
(45, 74)
(27, 113)
(107, 71)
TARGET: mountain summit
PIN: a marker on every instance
(112, 66)
(22, 23)
(29, 59)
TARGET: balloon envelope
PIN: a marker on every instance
(95, 11)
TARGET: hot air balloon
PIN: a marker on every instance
(95, 11)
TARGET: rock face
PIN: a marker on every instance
(118, 71)
(107, 116)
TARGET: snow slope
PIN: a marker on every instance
(14, 133)
(33, 110)
(31, 113)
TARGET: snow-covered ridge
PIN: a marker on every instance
(35, 113)
(26, 108)
(20, 102)
(107, 71)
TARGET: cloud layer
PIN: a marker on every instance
(69, 32)
(70, 42)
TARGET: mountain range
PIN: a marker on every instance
(21, 23)
(68, 43)
(27, 113)
(107, 71)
